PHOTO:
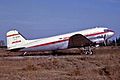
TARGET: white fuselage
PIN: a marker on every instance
(61, 41)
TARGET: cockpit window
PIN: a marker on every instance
(108, 30)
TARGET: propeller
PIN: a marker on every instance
(105, 40)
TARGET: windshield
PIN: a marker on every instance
(107, 30)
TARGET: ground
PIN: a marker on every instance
(104, 64)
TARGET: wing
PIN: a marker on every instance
(79, 40)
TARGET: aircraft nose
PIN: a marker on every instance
(111, 33)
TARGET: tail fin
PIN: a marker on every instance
(15, 40)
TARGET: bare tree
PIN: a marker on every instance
(2, 43)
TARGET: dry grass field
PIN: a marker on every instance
(104, 64)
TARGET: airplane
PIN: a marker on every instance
(83, 38)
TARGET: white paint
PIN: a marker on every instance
(13, 38)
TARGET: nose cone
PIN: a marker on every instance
(111, 34)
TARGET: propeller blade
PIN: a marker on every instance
(105, 40)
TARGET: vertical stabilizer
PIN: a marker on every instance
(15, 40)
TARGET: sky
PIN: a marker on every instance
(44, 18)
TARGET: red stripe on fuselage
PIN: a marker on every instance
(12, 35)
(65, 40)
(48, 43)
(16, 42)
(94, 34)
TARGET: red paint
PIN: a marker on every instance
(95, 34)
(99, 33)
(16, 42)
(12, 35)
(48, 43)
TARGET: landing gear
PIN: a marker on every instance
(87, 50)
(24, 53)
